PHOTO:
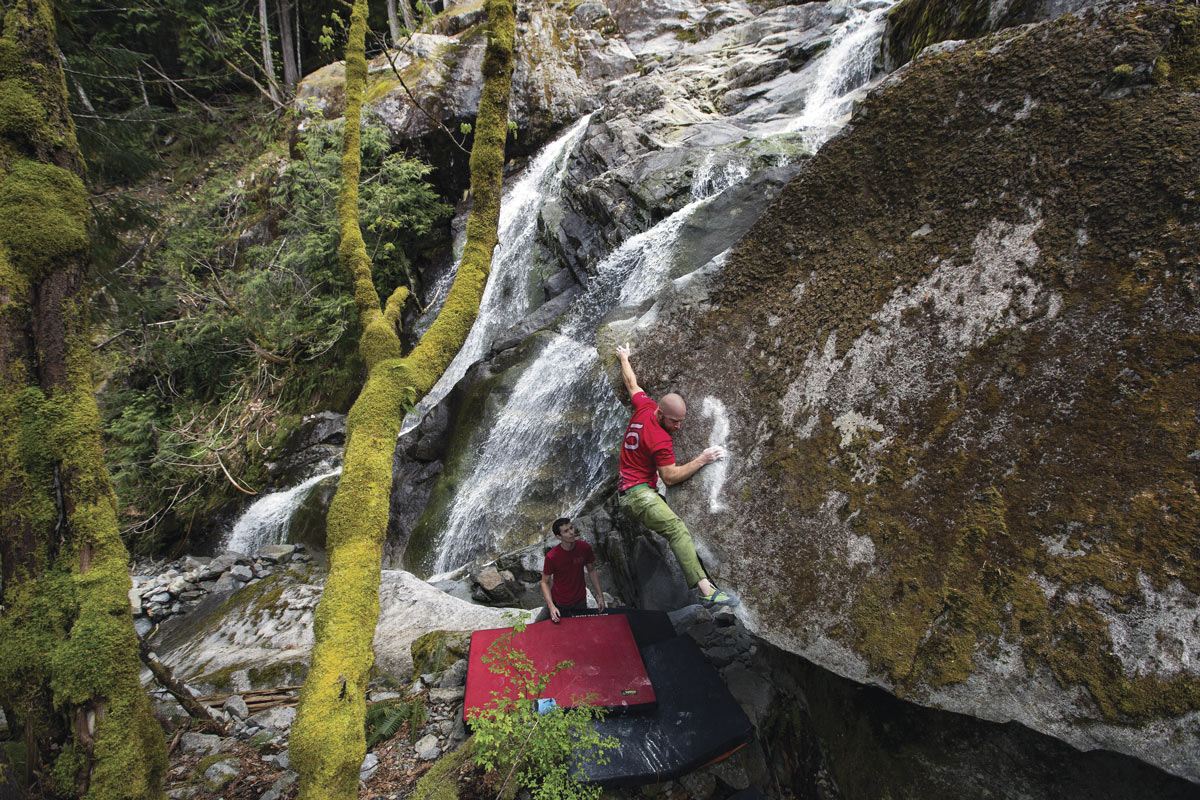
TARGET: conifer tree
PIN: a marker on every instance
(327, 741)
(68, 651)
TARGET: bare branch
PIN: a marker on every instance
(236, 485)
(387, 53)
(212, 112)
(280, 106)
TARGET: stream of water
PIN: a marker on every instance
(842, 70)
(506, 298)
(268, 519)
(566, 375)
(539, 435)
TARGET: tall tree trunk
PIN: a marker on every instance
(287, 45)
(327, 741)
(298, 35)
(268, 63)
(68, 663)
(393, 22)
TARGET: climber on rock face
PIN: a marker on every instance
(647, 454)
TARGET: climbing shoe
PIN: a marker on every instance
(719, 598)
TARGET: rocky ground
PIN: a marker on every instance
(251, 762)
(255, 768)
(164, 590)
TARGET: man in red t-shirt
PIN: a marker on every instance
(562, 573)
(648, 454)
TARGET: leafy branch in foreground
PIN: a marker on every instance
(543, 752)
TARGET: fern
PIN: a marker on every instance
(383, 720)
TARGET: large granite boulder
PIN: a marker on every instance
(562, 60)
(959, 361)
(261, 635)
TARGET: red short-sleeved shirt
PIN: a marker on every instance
(647, 446)
(566, 569)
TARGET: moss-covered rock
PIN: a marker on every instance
(437, 650)
(913, 25)
(440, 782)
(959, 358)
(307, 524)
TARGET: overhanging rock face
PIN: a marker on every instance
(960, 364)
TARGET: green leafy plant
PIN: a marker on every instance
(241, 315)
(521, 748)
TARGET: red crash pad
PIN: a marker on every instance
(607, 671)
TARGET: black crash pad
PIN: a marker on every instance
(697, 721)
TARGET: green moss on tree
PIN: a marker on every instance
(21, 115)
(68, 668)
(43, 216)
(327, 741)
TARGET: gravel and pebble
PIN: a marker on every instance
(161, 591)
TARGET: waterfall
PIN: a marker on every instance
(845, 67)
(506, 299)
(267, 520)
(712, 178)
(565, 376)
(551, 445)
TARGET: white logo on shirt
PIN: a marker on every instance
(633, 436)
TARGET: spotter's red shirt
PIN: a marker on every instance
(566, 569)
(646, 447)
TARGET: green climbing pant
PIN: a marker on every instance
(643, 504)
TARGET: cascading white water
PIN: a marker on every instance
(267, 520)
(506, 298)
(712, 178)
(565, 379)
(842, 69)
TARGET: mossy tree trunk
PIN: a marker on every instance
(68, 659)
(327, 740)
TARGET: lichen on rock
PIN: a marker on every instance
(966, 387)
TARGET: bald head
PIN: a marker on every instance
(673, 404)
(671, 411)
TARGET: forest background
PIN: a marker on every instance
(221, 313)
